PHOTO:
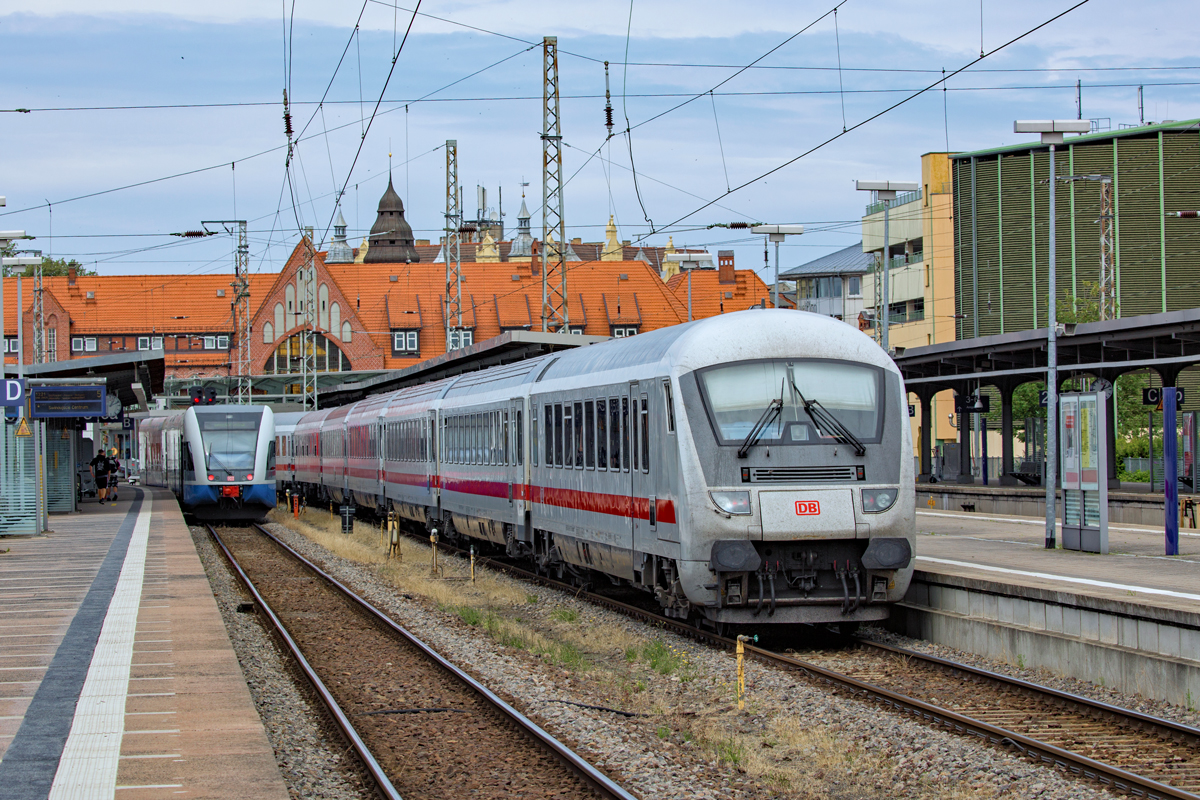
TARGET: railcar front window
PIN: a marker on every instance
(738, 394)
(230, 440)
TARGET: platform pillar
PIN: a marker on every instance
(1114, 482)
(926, 446)
(964, 447)
(1006, 435)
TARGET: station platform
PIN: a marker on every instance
(1129, 620)
(117, 678)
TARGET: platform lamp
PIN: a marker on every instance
(688, 262)
(776, 234)
(1052, 131)
(885, 192)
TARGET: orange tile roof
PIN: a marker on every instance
(711, 297)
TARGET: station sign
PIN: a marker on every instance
(67, 401)
(13, 392)
(1153, 396)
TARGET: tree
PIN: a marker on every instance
(50, 266)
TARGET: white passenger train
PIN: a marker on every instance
(219, 460)
(750, 467)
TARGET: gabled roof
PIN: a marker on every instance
(847, 261)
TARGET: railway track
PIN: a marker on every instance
(1125, 750)
(422, 727)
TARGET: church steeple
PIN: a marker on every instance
(339, 249)
(522, 245)
(391, 239)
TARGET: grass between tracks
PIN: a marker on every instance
(789, 755)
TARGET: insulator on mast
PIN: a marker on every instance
(287, 117)
(608, 122)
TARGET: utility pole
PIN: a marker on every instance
(554, 247)
(885, 192)
(1052, 131)
(1107, 288)
(453, 250)
(776, 234)
(305, 291)
(240, 304)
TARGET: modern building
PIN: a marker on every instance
(831, 285)
(1001, 230)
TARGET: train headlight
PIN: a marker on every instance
(732, 502)
(876, 500)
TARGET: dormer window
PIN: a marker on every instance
(405, 342)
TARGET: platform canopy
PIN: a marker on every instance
(134, 377)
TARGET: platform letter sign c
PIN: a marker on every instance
(14, 392)
(807, 508)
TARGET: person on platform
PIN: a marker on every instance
(99, 467)
(114, 468)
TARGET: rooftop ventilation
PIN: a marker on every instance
(624, 276)
(516, 277)
(91, 295)
(394, 278)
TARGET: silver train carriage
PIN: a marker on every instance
(751, 467)
(219, 460)
(285, 459)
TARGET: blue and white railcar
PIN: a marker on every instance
(219, 460)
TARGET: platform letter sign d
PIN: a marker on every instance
(14, 392)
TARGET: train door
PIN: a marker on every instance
(644, 519)
(434, 461)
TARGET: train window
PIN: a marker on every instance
(602, 434)
(589, 445)
(520, 460)
(633, 432)
(670, 406)
(579, 435)
(505, 440)
(491, 437)
(625, 434)
(558, 435)
(549, 431)
(614, 433)
(271, 457)
(568, 445)
(645, 434)
(533, 434)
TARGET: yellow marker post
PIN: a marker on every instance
(433, 545)
(394, 526)
(931, 501)
(741, 669)
(472, 563)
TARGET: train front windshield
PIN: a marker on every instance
(738, 396)
(230, 440)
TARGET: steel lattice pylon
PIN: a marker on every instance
(554, 229)
(39, 318)
(306, 291)
(239, 306)
(1108, 261)
(452, 251)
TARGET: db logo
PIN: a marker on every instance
(807, 507)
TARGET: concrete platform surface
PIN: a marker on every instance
(117, 678)
(1010, 550)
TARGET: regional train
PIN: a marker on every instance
(753, 467)
(219, 460)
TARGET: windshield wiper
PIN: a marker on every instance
(826, 422)
(769, 415)
(212, 457)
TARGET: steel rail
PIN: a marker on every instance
(382, 782)
(590, 774)
(1079, 765)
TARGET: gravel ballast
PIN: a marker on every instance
(795, 739)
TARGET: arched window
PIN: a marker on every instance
(347, 333)
(335, 319)
(280, 321)
(288, 356)
(268, 333)
(323, 308)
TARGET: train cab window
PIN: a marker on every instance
(579, 435)
(271, 460)
(645, 434)
(602, 434)
(558, 435)
(614, 433)
(589, 444)
(625, 434)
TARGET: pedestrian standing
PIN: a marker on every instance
(98, 466)
(114, 469)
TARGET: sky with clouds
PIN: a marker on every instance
(129, 92)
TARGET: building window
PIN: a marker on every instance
(576, 331)
(854, 287)
(622, 332)
(143, 343)
(288, 356)
(51, 344)
(405, 342)
(76, 344)
(222, 342)
(210, 343)
(156, 343)
(89, 344)
(460, 337)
